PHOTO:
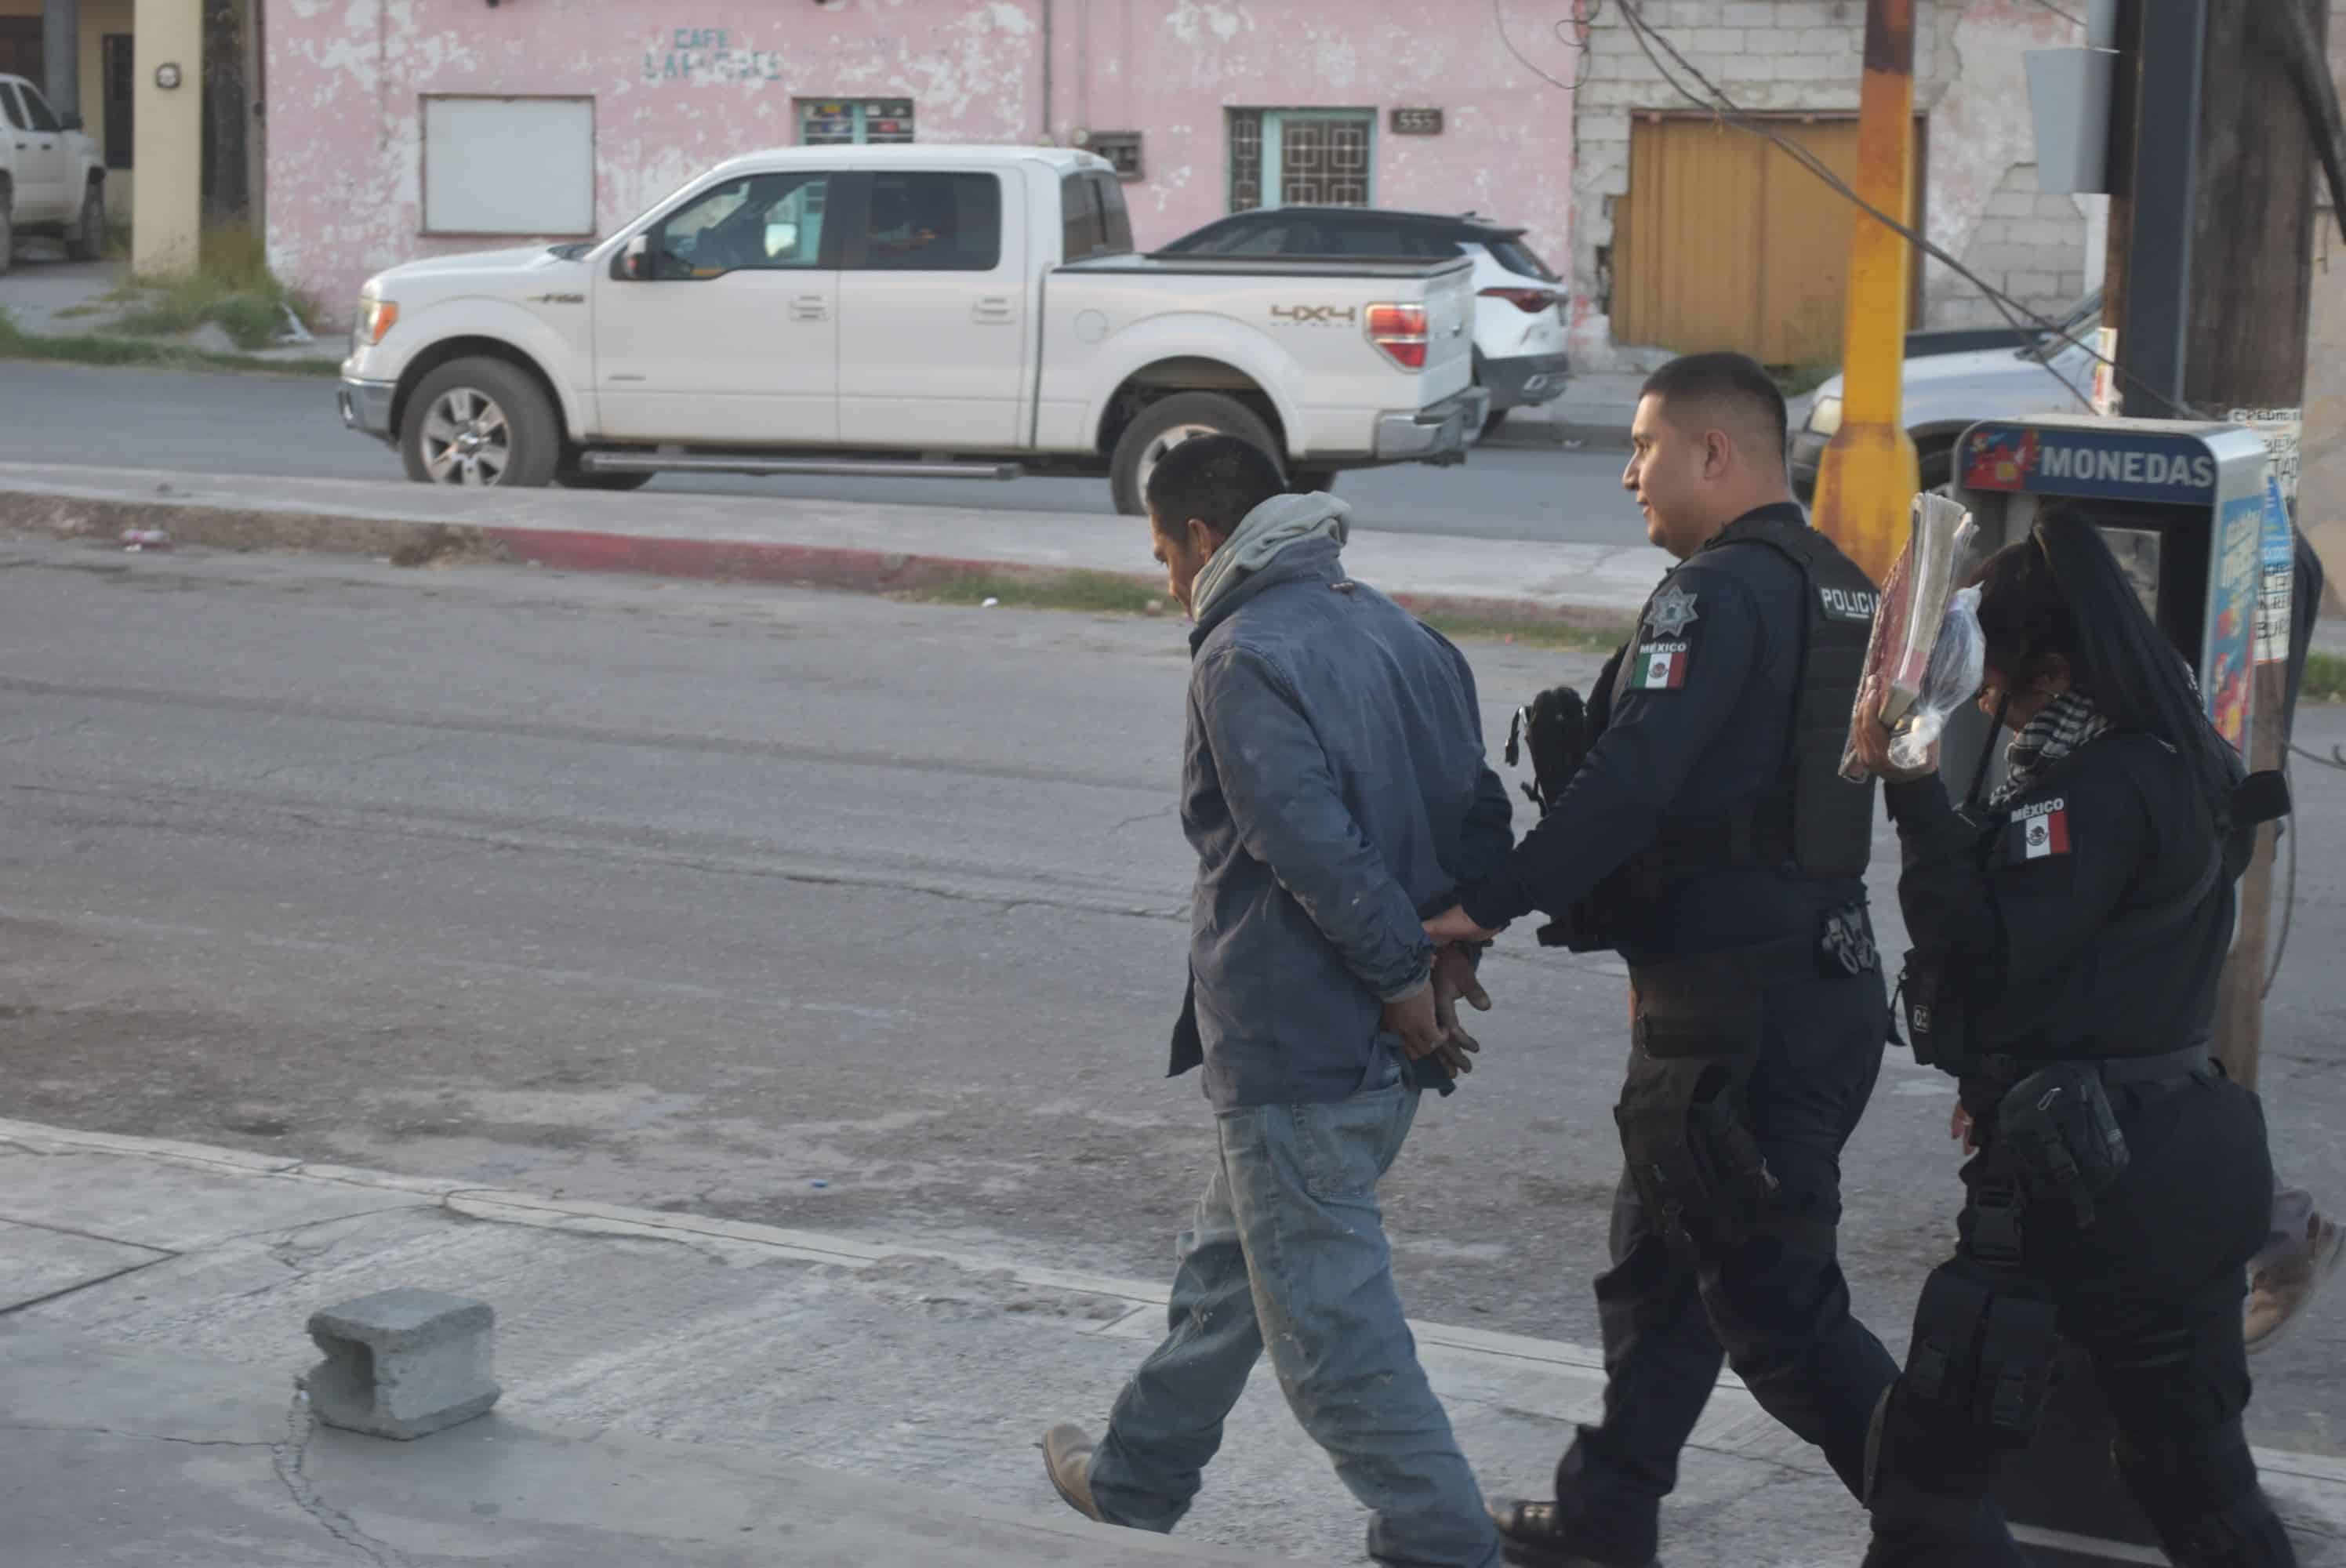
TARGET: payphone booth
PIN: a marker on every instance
(2183, 506)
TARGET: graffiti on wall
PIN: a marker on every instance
(708, 55)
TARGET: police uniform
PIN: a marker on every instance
(1708, 836)
(2068, 943)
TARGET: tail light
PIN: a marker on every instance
(1530, 301)
(1400, 332)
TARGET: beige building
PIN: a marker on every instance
(134, 72)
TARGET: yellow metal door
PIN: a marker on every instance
(1724, 241)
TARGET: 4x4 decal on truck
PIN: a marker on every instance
(1314, 315)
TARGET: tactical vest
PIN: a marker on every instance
(1814, 822)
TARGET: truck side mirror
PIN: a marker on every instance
(636, 261)
(70, 122)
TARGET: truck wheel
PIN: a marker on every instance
(7, 228)
(1165, 425)
(86, 239)
(1304, 481)
(480, 422)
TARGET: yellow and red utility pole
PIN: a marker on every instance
(1869, 475)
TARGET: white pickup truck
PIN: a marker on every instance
(924, 311)
(52, 179)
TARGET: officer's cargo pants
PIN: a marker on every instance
(1776, 1311)
(2151, 1291)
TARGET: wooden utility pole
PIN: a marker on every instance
(1867, 480)
(2252, 285)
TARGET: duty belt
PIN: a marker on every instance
(2167, 1067)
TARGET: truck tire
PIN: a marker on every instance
(480, 422)
(1304, 481)
(85, 240)
(1167, 423)
(7, 228)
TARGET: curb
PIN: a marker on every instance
(1725, 1430)
(407, 542)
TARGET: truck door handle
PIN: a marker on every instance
(811, 308)
(994, 308)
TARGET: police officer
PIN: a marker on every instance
(1707, 836)
(2068, 935)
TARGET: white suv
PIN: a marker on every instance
(1520, 304)
(52, 179)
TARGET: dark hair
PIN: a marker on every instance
(2025, 619)
(1216, 479)
(1735, 380)
(2060, 591)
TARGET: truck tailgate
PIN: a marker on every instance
(1450, 333)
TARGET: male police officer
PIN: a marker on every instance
(1708, 836)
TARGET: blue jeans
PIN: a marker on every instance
(1289, 1250)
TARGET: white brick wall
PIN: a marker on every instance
(1807, 55)
(2030, 245)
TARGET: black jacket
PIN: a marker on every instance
(2023, 901)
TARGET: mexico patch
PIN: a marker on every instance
(1659, 667)
(2040, 831)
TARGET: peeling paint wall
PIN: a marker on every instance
(1779, 57)
(346, 78)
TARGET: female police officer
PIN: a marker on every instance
(2067, 939)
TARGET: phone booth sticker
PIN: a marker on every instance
(2234, 592)
(2279, 579)
(2000, 460)
(2117, 466)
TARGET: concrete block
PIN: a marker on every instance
(1748, 14)
(1715, 48)
(403, 1363)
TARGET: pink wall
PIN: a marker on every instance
(345, 78)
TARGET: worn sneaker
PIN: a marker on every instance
(1067, 1457)
(2279, 1291)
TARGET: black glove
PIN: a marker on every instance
(1555, 728)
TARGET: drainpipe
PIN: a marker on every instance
(1047, 9)
(1869, 475)
(61, 55)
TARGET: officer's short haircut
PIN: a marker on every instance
(1216, 478)
(1723, 390)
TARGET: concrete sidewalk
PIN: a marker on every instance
(694, 1391)
(843, 544)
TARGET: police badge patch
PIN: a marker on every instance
(1670, 612)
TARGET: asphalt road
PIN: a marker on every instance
(235, 423)
(819, 911)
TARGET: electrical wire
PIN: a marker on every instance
(2015, 314)
(1579, 46)
(2073, 21)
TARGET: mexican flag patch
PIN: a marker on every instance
(1659, 667)
(2040, 831)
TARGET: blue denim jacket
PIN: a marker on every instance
(1334, 786)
